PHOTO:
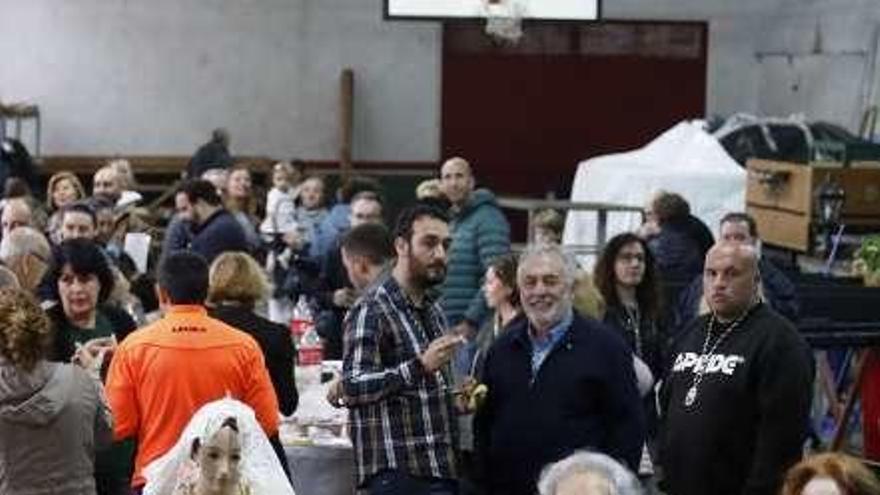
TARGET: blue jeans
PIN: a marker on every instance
(394, 482)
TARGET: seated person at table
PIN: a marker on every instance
(222, 451)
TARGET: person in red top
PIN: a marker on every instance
(162, 374)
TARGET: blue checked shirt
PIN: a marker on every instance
(401, 417)
(541, 347)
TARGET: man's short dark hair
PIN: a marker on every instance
(355, 185)
(670, 207)
(405, 220)
(184, 276)
(81, 206)
(85, 258)
(368, 196)
(738, 216)
(100, 203)
(196, 189)
(370, 240)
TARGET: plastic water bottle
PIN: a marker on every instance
(311, 349)
(302, 321)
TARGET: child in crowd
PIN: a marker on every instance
(291, 271)
(281, 202)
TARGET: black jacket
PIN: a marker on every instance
(583, 397)
(277, 346)
(751, 413)
(219, 233)
(210, 155)
(333, 277)
(680, 248)
(649, 350)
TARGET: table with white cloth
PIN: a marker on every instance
(321, 469)
(315, 440)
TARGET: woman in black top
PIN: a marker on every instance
(236, 284)
(626, 276)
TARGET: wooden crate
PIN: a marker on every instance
(780, 197)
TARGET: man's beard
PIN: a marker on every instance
(426, 276)
(545, 317)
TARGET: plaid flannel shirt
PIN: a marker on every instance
(401, 417)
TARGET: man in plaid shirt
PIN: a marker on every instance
(396, 376)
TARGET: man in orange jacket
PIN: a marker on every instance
(160, 375)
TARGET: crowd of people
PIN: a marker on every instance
(467, 368)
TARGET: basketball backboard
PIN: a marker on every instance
(557, 10)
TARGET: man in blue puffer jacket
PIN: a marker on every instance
(480, 232)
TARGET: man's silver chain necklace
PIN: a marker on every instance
(702, 362)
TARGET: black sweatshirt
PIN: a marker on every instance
(751, 413)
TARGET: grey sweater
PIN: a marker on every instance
(52, 420)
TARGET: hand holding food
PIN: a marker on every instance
(471, 395)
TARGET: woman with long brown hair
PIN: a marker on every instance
(626, 276)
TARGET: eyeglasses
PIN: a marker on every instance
(629, 257)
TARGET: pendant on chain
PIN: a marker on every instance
(691, 396)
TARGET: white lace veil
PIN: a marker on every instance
(259, 464)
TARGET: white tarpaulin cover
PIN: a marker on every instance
(685, 160)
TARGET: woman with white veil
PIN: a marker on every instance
(222, 451)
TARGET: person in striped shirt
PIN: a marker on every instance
(397, 379)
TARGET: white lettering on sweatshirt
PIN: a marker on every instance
(707, 364)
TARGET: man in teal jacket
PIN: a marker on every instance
(480, 232)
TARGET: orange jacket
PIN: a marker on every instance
(162, 374)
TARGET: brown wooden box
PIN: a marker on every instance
(780, 197)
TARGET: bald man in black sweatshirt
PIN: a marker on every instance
(737, 398)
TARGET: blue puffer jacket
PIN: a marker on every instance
(480, 232)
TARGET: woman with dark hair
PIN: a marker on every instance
(82, 281)
(502, 294)
(86, 332)
(52, 415)
(626, 276)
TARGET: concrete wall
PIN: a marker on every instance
(817, 57)
(154, 77)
